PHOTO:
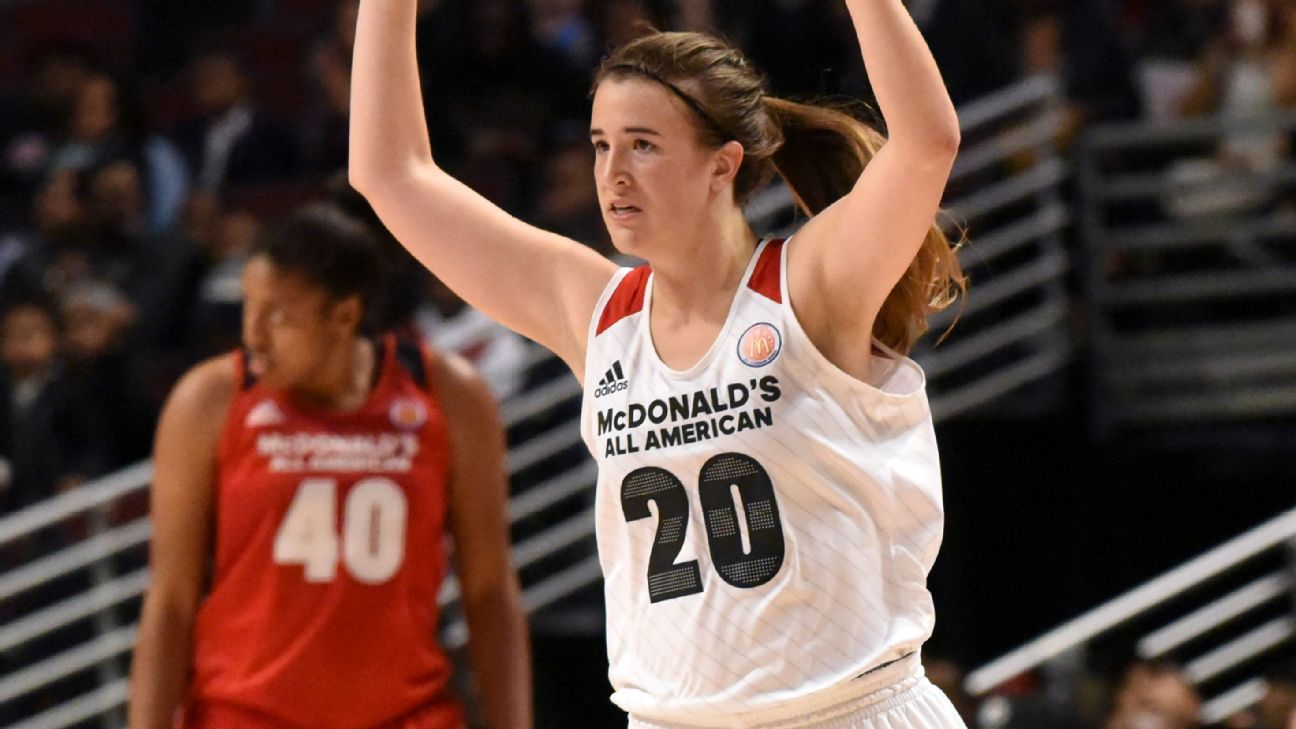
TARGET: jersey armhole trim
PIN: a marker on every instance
(627, 299)
(767, 277)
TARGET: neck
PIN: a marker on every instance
(699, 278)
(344, 379)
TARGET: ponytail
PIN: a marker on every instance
(824, 151)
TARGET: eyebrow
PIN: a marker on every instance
(628, 130)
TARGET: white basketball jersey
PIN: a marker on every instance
(765, 521)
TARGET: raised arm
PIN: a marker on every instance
(858, 249)
(539, 284)
(181, 511)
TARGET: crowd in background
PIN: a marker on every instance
(144, 146)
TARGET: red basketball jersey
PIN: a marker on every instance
(330, 551)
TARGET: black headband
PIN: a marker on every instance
(692, 103)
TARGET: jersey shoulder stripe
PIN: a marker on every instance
(627, 300)
(766, 277)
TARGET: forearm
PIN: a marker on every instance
(908, 85)
(500, 650)
(388, 134)
(160, 668)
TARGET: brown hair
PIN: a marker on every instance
(818, 150)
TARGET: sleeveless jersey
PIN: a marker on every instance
(330, 553)
(766, 522)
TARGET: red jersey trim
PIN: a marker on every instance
(627, 300)
(767, 276)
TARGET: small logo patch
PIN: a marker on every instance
(265, 414)
(759, 345)
(408, 414)
(614, 380)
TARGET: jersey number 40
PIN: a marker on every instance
(372, 543)
(728, 483)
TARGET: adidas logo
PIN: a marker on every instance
(613, 381)
(266, 413)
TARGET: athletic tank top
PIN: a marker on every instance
(766, 522)
(330, 553)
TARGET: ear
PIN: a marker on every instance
(727, 161)
(348, 313)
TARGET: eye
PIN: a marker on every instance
(643, 145)
(600, 146)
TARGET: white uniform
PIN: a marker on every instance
(765, 521)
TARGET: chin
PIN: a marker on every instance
(629, 242)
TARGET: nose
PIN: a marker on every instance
(254, 329)
(615, 171)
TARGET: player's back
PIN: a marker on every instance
(329, 543)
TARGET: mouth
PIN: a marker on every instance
(256, 365)
(621, 212)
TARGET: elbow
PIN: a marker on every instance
(945, 138)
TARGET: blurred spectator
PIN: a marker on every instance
(1155, 696)
(61, 219)
(1174, 34)
(1080, 45)
(1245, 74)
(561, 26)
(99, 231)
(325, 128)
(97, 319)
(230, 142)
(568, 200)
(1278, 707)
(1250, 71)
(218, 297)
(33, 121)
(49, 441)
(107, 124)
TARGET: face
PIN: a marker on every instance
(1155, 700)
(116, 193)
(290, 326)
(656, 181)
(218, 84)
(96, 110)
(92, 331)
(30, 340)
(57, 207)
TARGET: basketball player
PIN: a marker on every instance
(318, 472)
(769, 499)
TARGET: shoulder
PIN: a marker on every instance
(200, 401)
(462, 390)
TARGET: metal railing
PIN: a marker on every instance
(1189, 271)
(1009, 336)
(1220, 629)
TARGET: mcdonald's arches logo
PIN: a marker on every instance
(759, 345)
